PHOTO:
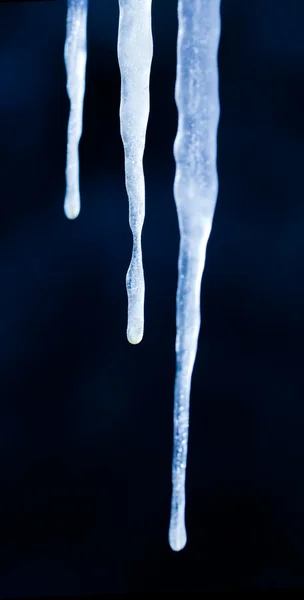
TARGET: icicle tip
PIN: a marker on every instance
(71, 211)
(178, 539)
(135, 334)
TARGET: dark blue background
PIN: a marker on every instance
(85, 418)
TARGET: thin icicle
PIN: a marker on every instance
(75, 56)
(135, 50)
(195, 190)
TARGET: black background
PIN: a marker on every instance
(86, 418)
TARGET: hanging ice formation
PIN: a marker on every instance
(135, 49)
(195, 185)
(75, 56)
(195, 190)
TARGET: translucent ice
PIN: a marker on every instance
(75, 55)
(195, 190)
(135, 50)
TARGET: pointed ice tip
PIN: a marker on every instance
(177, 544)
(134, 335)
(71, 211)
(177, 536)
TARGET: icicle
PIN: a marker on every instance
(135, 49)
(195, 190)
(75, 55)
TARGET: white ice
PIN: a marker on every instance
(135, 50)
(75, 55)
(195, 190)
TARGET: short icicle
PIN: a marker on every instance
(135, 50)
(75, 56)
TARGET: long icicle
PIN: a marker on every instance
(135, 50)
(195, 190)
(75, 56)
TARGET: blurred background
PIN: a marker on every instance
(86, 418)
